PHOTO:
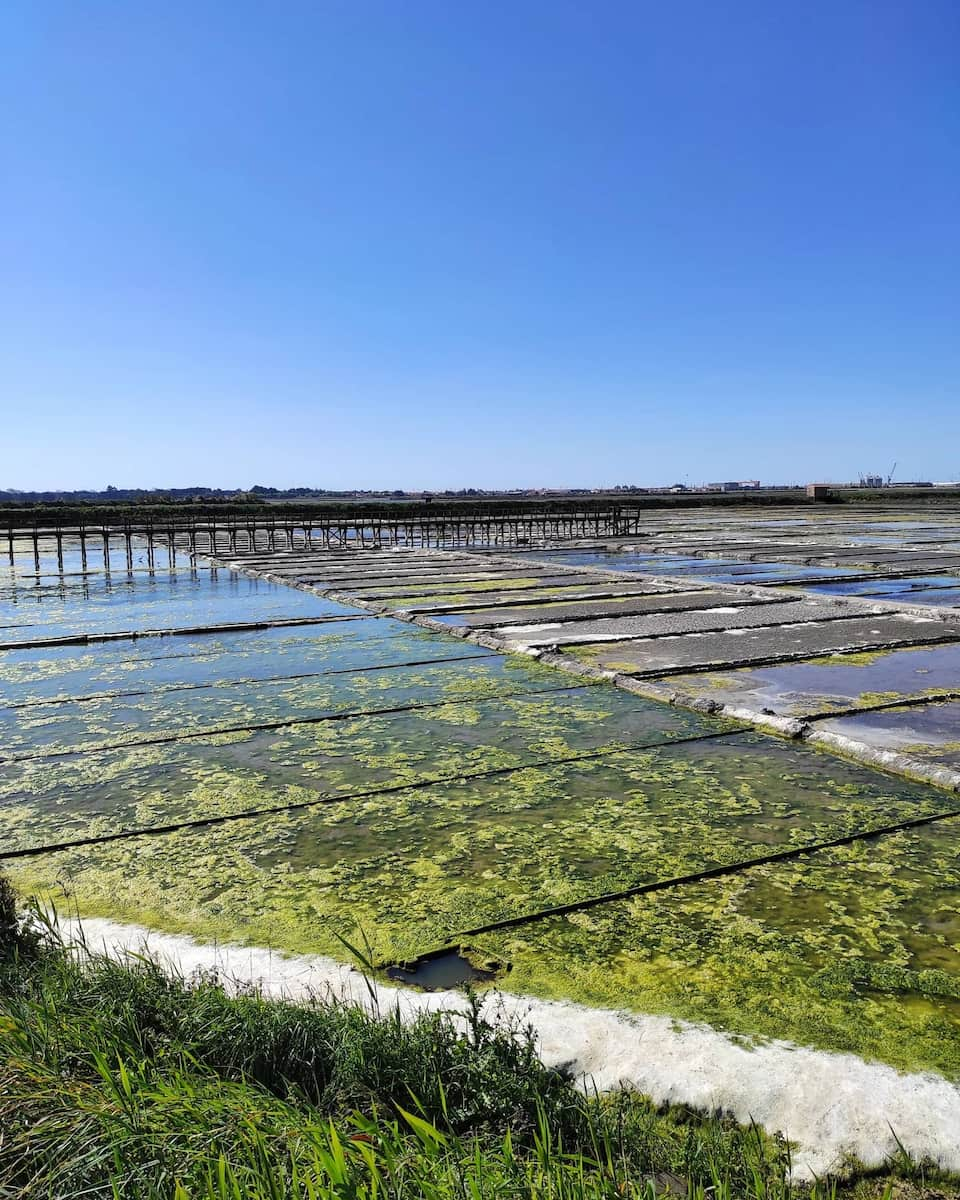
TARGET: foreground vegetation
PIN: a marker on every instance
(121, 1080)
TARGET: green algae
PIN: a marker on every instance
(70, 672)
(529, 593)
(597, 605)
(888, 977)
(832, 684)
(410, 870)
(444, 593)
(868, 699)
(759, 953)
(598, 654)
(175, 710)
(756, 954)
(719, 682)
(481, 730)
(861, 658)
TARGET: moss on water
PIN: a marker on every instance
(871, 699)
(862, 658)
(410, 869)
(758, 954)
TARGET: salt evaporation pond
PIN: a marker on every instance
(405, 786)
(819, 685)
(851, 580)
(706, 570)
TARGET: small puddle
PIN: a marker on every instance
(442, 971)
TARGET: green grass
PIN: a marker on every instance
(119, 1079)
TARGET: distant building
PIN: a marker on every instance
(871, 481)
(735, 485)
(818, 491)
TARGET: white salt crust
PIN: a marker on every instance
(828, 1104)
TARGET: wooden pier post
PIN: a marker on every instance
(106, 551)
(128, 542)
(36, 550)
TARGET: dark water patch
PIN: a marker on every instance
(448, 969)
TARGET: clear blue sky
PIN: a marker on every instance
(510, 242)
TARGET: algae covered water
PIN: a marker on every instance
(358, 777)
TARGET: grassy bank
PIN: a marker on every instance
(120, 1080)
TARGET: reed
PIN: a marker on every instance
(122, 1079)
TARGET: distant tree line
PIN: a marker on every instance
(259, 493)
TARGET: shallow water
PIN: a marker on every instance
(936, 590)
(409, 870)
(50, 673)
(451, 970)
(857, 947)
(162, 601)
(929, 731)
(141, 710)
(798, 689)
(497, 787)
(709, 570)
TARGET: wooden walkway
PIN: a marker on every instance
(358, 527)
